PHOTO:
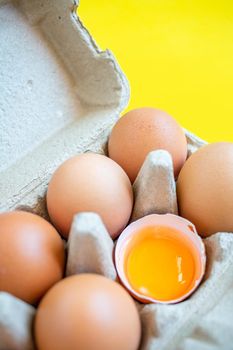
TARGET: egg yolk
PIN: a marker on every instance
(160, 264)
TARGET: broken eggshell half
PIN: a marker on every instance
(182, 230)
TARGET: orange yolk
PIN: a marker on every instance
(159, 264)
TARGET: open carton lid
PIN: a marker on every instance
(60, 95)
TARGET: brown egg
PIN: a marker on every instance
(87, 312)
(31, 255)
(90, 182)
(205, 189)
(143, 130)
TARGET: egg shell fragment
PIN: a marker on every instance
(90, 247)
(16, 320)
(155, 187)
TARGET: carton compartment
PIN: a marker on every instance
(90, 250)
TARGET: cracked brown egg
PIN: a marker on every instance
(160, 258)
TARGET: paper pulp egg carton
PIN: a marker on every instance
(60, 96)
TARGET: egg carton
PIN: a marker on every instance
(60, 96)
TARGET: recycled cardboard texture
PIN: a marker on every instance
(60, 95)
(89, 231)
(16, 320)
(183, 325)
(164, 326)
(154, 187)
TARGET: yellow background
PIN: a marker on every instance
(177, 56)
